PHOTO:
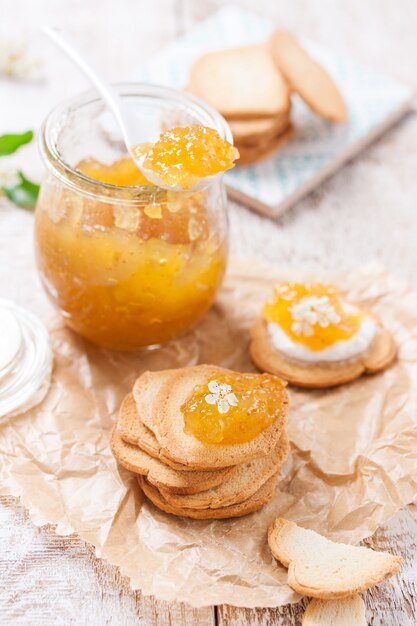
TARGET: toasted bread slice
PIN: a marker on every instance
(379, 356)
(255, 502)
(320, 568)
(161, 475)
(344, 612)
(187, 449)
(145, 390)
(306, 77)
(253, 132)
(241, 485)
(240, 83)
(133, 431)
(254, 154)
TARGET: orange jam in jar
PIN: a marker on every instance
(234, 408)
(313, 314)
(128, 264)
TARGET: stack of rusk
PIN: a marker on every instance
(181, 474)
(251, 87)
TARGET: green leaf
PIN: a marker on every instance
(10, 143)
(24, 194)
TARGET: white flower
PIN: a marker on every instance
(312, 310)
(221, 395)
(15, 60)
(302, 328)
(9, 177)
(284, 292)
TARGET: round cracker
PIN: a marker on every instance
(241, 485)
(133, 431)
(240, 83)
(161, 475)
(381, 353)
(187, 449)
(307, 77)
(255, 502)
(252, 132)
(253, 154)
(144, 391)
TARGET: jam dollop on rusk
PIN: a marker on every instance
(234, 408)
(313, 314)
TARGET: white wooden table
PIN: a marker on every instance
(366, 212)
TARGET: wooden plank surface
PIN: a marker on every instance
(48, 580)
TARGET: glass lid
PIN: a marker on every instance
(25, 359)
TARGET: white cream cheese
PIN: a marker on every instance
(339, 351)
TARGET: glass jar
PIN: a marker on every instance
(127, 266)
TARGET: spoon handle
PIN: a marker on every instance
(109, 95)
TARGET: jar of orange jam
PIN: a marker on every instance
(127, 264)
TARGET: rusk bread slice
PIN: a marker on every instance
(253, 154)
(344, 612)
(240, 83)
(144, 391)
(248, 478)
(255, 502)
(320, 568)
(252, 132)
(187, 449)
(309, 79)
(381, 353)
(161, 475)
(133, 431)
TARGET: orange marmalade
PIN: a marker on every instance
(121, 172)
(312, 314)
(183, 156)
(234, 408)
(129, 274)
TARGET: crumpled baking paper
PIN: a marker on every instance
(353, 462)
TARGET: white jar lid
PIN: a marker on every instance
(25, 359)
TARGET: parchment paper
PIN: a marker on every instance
(353, 462)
